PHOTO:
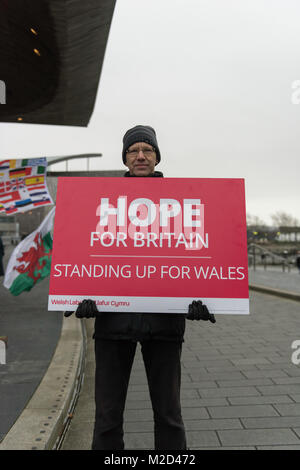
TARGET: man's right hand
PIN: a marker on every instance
(199, 311)
(86, 309)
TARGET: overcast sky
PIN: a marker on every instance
(214, 78)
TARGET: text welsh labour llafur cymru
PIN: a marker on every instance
(2, 92)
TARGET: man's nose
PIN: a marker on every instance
(141, 155)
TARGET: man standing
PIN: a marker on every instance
(160, 335)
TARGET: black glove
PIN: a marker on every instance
(198, 311)
(86, 309)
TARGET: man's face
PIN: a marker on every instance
(140, 159)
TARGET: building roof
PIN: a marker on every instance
(51, 56)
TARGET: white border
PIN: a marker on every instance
(149, 304)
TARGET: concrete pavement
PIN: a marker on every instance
(240, 389)
(43, 420)
(32, 334)
(276, 281)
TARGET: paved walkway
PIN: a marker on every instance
(275, 277)
(240, 389)
(32, 334)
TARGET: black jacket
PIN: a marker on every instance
(140, 326)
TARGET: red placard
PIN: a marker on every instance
(150, 244)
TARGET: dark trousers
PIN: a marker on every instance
(113, 366)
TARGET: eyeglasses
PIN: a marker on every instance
(146, 151)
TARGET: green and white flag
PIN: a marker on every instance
(30, 261)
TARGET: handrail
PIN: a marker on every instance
(71, 157)
(276, 257)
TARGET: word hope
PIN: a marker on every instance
(169, 223)
(143, 212)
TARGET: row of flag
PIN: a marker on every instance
(23, 185)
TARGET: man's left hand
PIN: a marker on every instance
(198, 311)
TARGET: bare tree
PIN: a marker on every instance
(283, 219)
(255, 221)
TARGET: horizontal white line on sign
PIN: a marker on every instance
(146, 256)
(150, 304)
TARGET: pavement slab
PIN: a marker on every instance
(240, 389)
(32, 334)
(258, 437)
(231, 402)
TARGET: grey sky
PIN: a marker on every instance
(214, 78)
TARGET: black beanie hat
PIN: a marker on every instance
(140, 134)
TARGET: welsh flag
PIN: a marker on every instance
(30, 261)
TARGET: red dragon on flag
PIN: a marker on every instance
(30, 261)
(35, 259)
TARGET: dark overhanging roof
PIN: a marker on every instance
(51, 57)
